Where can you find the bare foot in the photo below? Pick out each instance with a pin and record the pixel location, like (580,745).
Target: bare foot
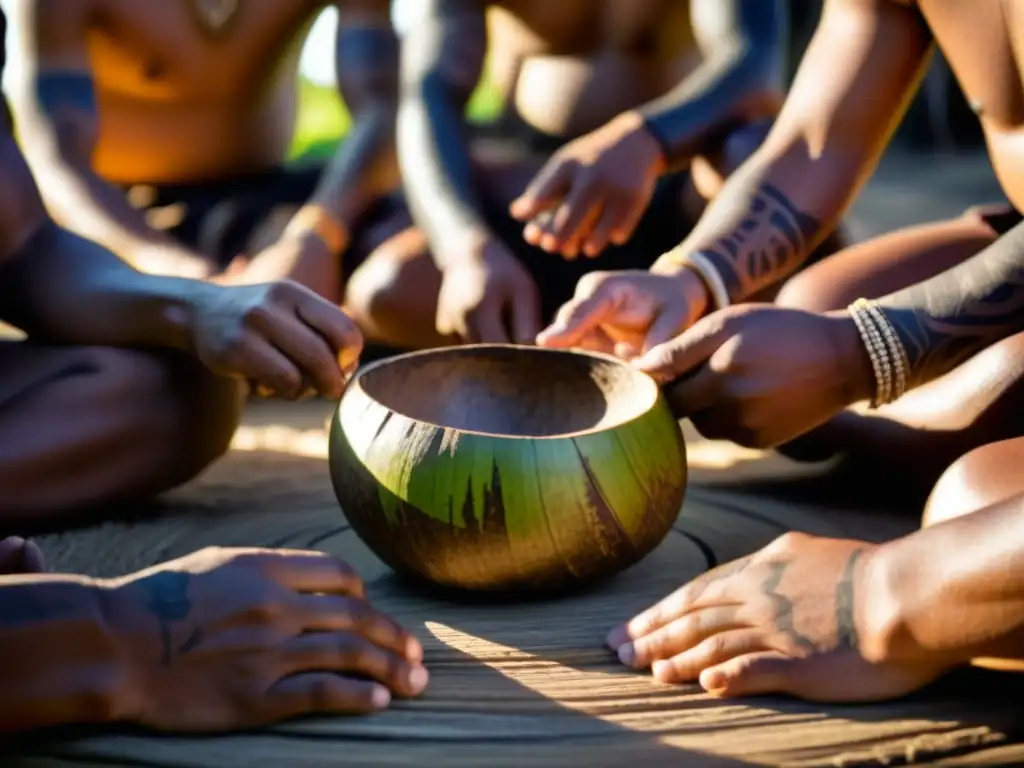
(20,556)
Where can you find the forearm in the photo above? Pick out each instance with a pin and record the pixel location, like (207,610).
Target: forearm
(731,86)
(945,320)
(99,211)
(434,156)
(771,215)
(59,663)
(362,169)
(63,288)
(952,591)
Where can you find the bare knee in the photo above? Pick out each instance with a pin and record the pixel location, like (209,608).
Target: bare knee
(392,295)
(173,411)
(978,479)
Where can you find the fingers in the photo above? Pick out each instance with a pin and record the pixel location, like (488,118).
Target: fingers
(18,555)
(756,674)
(679,636)
(576,318)
(310,572)
(714,650)
(710,588)
(340,331)
(325,693)
(336,613)
(573,220)
(486,325)
(352,653)
(308,350)
(614,214)
(266,366)
(669,359)
(547,190)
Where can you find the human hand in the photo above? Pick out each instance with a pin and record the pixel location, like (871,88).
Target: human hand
(301,257)
(760,375)
(480,290)
(18,555)
(224,639)
(593,191)
(281,336)
(627,312)
(793,618)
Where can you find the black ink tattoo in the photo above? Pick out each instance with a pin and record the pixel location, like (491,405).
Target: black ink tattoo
(947,319)
(769,243)
(846,629)
(69,101)
(784,620)
(168,601)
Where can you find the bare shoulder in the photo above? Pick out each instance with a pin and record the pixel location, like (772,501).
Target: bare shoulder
(49,25)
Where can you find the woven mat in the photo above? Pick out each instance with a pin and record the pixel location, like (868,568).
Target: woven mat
(530,684)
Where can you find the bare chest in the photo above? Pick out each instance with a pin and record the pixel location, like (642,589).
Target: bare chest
(642,28)
(184,50)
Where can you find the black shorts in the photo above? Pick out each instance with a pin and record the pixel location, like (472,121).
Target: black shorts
(239,214)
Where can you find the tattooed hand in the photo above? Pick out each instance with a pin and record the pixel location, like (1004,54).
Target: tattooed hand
(788,619)
(226,639)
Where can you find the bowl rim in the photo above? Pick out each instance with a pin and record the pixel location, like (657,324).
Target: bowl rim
(355,383)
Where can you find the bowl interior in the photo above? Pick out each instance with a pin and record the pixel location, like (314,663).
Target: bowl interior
(511,390)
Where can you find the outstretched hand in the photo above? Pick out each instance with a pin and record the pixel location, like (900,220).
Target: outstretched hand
(760,375)
(794,618)
(593,191)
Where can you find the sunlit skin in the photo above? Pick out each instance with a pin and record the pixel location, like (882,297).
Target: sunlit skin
(817,618)
(120,101)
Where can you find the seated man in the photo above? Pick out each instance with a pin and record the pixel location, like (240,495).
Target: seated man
(842,620)
(851,89)
(159,130)
(218,640)
(621,119)
(129,384)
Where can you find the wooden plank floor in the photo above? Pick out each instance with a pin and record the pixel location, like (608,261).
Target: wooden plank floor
(528,684)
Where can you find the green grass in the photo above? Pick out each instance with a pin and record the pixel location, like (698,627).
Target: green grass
(324,121)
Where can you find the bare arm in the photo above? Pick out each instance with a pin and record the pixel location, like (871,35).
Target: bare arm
(443,52)
(366,65)
(952,316)
(740,78)
(58,286)
(954,590)
(54,103)
(855,81)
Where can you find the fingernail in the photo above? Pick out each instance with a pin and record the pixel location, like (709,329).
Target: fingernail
(617,637)
(418,679)
(380,698)
(627,654)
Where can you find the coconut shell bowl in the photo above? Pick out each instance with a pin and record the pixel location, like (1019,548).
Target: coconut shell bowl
(503,468)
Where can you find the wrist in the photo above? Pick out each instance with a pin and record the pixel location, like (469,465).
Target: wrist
(692,287)
(466,247)
(313,226)
(853,358)
(660,150)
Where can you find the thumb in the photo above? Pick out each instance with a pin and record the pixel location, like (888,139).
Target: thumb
(575,318)
(674,358)
(546,191)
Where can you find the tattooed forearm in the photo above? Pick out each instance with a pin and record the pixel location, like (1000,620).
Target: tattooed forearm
(949,318)
(846,629)
(768,242)
(167,600)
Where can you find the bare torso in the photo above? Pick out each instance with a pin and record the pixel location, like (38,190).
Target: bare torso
(983,41)
(177,102)
(569,66)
